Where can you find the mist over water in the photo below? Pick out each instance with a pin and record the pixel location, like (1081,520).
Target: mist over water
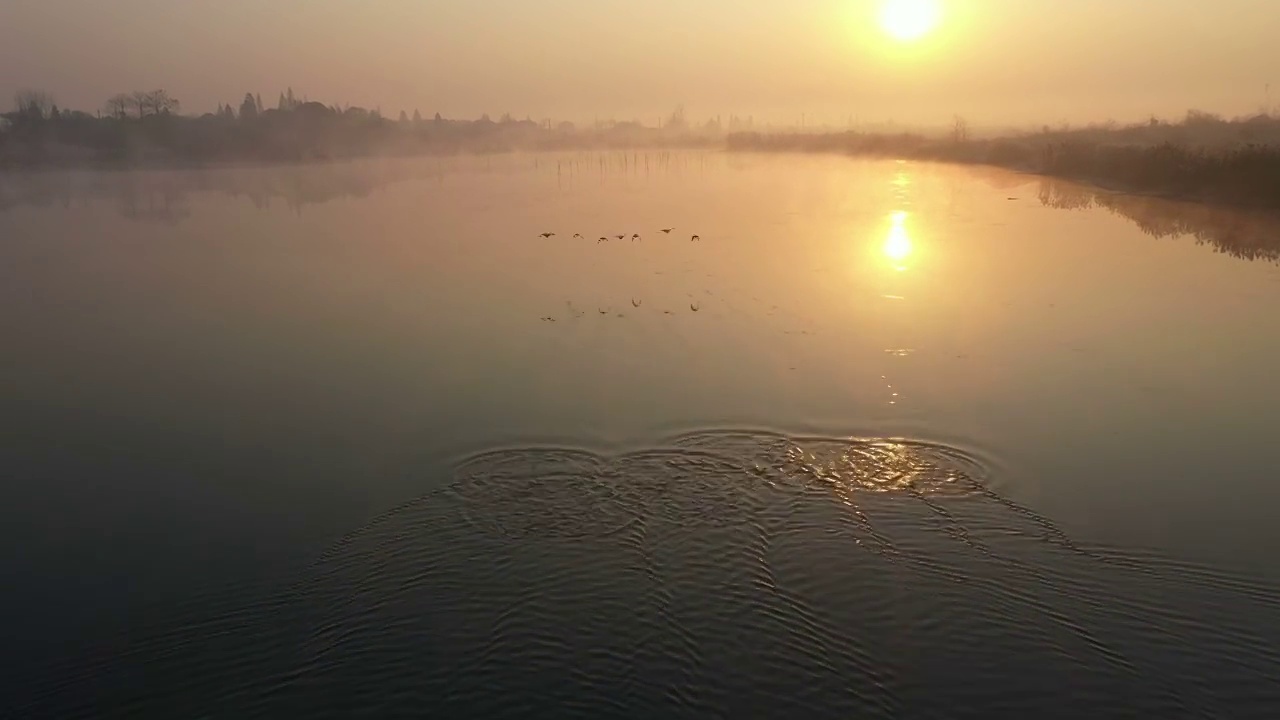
(888,439)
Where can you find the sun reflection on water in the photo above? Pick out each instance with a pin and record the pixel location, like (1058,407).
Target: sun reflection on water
(897,245)
(855,467)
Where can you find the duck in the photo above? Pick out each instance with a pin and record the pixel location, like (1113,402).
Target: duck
(547,235)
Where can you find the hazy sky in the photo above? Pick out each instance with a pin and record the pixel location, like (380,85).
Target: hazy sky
(993,61)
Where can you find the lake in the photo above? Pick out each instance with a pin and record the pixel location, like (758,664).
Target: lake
(889,439)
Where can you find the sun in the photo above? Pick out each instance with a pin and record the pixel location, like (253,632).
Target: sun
(907,20)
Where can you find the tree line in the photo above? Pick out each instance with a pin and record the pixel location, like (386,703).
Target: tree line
(142,104)
(149,127)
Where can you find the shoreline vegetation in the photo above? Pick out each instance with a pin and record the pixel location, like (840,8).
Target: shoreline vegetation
(146,129)
(1202,157)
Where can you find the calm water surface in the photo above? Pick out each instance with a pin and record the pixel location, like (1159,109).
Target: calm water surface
(889,440)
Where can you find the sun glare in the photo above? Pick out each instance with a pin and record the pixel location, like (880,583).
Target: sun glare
(897,244)
(907,20)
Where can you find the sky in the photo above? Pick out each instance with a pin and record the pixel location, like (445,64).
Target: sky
(994,62)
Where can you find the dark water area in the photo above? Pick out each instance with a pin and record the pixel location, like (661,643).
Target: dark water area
(888,440)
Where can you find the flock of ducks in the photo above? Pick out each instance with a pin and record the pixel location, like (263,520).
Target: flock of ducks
(634,236)
(695,307)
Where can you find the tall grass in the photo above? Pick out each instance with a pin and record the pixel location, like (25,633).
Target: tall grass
(1202,158)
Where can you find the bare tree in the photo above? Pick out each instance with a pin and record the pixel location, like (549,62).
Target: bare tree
(32,103)
(118,105)
(959,129)
(162,103)
(155,102)
(139,102)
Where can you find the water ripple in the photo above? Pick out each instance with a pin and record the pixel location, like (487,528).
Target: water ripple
(735,574)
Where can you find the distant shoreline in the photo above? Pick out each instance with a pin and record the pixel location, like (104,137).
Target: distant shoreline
(1243,174)
(147,132)
(1263,196)
(1202,159)
(1096,182)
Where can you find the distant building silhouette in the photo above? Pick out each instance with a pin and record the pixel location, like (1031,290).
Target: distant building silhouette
(147,127)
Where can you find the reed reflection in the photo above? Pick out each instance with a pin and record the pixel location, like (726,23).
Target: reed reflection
(1245,234)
